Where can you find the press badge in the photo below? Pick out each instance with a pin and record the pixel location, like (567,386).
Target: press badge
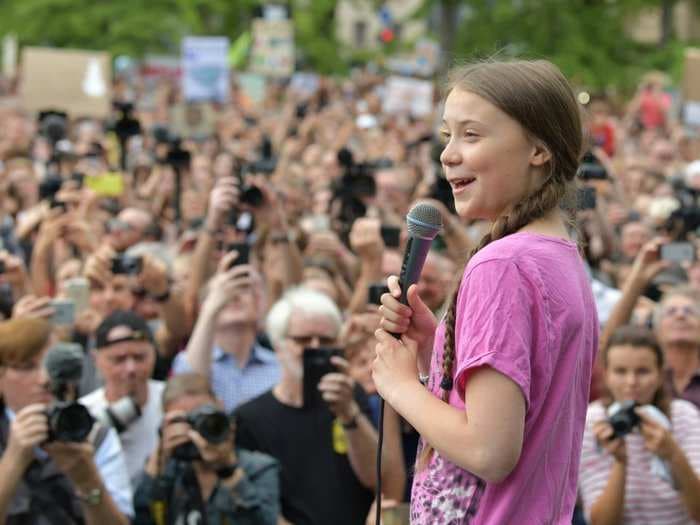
(340,439)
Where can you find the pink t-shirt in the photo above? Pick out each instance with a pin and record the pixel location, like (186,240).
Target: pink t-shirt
(524,308)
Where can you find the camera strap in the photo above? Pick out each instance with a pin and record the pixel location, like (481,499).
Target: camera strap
(188,491)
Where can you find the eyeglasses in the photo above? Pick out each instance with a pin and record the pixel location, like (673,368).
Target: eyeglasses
(306,340)
(686,310)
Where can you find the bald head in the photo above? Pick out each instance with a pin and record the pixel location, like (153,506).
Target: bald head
(129,228)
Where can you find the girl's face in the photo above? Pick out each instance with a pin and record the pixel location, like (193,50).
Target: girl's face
(488,159)
(633,374)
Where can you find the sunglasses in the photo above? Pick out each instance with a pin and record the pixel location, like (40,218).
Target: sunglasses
(306,340)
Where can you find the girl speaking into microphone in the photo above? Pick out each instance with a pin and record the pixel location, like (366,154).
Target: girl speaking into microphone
(498,390)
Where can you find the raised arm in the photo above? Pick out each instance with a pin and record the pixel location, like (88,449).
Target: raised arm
(646,266)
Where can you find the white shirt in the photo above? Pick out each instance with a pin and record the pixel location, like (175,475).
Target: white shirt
(140,439)
(649,499)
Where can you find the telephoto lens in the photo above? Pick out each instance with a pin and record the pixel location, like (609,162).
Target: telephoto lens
(120,414)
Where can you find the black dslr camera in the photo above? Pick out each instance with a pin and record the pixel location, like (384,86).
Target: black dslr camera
(625,420)
(211,423)
(68,420)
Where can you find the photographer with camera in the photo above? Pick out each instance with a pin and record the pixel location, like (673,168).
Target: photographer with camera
(676,322)
(48,473)
(129,401)
(640,460)
(123,282)
(329,446)
(196,471)
(231,198)
(224,346)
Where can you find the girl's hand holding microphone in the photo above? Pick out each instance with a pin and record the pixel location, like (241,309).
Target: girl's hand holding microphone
(401,360)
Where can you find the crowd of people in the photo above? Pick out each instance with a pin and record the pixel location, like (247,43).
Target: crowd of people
(223,289)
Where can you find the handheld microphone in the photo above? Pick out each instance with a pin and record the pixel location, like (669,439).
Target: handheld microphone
(424,222)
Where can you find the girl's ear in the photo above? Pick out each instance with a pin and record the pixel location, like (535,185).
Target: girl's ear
(540,155)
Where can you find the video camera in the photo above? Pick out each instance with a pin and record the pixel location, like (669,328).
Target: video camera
(208,421)
(175,156)
(591,168)
(683,221)
(355,186)
(266,162)
(53,125)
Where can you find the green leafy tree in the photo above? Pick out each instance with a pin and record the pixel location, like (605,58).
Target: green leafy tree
(586,38)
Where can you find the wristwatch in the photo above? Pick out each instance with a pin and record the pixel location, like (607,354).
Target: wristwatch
(92,497)
(352,423)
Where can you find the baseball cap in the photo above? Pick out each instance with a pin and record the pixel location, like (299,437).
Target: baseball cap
(132,327)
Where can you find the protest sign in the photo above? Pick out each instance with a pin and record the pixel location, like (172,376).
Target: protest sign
(156,67)
(273,48)
(205,70)
(304,84)
(77,82)
(253,87)
(405,95)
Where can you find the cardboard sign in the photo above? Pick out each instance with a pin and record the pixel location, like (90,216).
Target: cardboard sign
(77,82)
(205,70)
(404,95)
(691,75)
(273,48)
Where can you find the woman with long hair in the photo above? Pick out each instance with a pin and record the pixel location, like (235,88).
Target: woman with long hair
(640,459)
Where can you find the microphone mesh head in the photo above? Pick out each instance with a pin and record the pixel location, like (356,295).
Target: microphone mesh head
(424,221)
(64,362)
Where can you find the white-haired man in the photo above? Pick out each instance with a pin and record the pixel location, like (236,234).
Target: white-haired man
(326,449)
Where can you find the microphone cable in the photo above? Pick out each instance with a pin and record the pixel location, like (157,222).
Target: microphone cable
(380,443)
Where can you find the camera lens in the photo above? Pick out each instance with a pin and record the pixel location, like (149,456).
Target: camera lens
(252,196)
(624,420)
(120,414)
(70,422)
(214,427)
(211,423)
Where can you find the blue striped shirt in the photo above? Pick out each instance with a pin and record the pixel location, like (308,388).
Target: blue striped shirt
(233,384)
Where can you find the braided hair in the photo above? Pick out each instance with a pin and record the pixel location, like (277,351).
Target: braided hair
(539,98)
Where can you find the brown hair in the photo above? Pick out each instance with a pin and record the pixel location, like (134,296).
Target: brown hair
(190,384)
(642,338)
(536,95)
(21,340)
